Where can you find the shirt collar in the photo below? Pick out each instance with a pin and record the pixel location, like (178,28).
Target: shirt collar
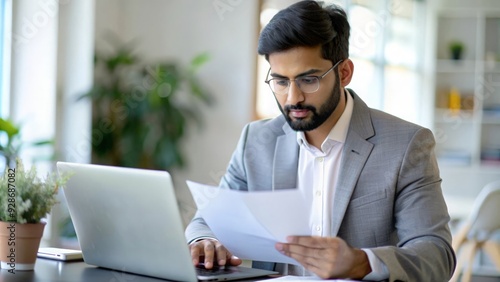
(339,130)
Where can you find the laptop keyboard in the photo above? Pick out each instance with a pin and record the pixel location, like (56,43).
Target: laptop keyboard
(201,270)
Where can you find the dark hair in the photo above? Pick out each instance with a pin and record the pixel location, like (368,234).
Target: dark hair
(307,23)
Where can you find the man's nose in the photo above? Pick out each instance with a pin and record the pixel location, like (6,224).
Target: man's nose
(295,95)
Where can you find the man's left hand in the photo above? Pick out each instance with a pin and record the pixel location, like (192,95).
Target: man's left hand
(327,257)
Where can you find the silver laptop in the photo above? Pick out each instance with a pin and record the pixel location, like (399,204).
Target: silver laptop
(128,220)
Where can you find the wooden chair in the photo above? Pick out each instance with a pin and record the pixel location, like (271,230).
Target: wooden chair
(476,232)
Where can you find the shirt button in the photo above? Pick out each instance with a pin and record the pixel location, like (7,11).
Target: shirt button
(318,193)
(320,159)
(318,228)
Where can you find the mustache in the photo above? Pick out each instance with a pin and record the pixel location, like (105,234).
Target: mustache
(288,108)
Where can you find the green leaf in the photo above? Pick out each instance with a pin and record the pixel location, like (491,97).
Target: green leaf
(8,127)
(35,197)
(198,91)
(43,142)
(199,61)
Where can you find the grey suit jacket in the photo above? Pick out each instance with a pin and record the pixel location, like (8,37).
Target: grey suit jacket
(388,196)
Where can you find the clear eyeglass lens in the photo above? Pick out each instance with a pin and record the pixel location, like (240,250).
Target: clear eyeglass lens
(306,84)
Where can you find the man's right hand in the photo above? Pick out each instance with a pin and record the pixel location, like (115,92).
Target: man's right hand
(208,251)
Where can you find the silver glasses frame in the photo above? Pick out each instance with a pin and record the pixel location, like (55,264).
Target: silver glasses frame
(318,77)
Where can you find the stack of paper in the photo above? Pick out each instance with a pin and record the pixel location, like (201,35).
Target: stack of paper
(249,224)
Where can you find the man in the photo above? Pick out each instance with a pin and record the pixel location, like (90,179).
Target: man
(377,210)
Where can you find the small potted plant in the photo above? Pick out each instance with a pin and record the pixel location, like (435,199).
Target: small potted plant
(456,49)
(25,200)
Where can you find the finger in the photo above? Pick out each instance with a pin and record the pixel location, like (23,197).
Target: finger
(209,251)
(221,254)
(309,241)
(195,253)
(310,258)
(225,256)
(291,251)
(234,260)
(296,250)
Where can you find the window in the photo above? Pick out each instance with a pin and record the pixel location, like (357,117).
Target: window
(5,31)
(385,46)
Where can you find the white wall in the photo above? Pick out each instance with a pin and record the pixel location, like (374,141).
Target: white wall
(33,73)
(75,53)
(179,30)
(74,77)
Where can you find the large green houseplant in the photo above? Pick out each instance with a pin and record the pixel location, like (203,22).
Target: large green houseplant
(25,200)
(141,111)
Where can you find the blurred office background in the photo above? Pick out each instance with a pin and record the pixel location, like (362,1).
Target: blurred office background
(401,51)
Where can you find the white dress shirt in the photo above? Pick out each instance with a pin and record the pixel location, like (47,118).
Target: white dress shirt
(317,179)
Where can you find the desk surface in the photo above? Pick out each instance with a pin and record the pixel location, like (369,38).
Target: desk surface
(47,270)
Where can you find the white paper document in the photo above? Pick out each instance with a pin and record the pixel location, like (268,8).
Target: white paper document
(305,278)
(249,224)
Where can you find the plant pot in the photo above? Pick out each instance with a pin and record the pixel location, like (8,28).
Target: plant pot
(456,55)
(19,245)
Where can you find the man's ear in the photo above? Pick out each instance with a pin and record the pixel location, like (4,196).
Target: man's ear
(346,70)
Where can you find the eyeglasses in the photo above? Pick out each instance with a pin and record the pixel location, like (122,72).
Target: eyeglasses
(306,84)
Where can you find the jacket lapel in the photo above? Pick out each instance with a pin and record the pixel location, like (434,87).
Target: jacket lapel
(286,160)
(355,153)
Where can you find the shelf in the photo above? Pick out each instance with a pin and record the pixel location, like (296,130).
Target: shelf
(453,162)
(491,120)
(494,164)
(484,167)
(454,157)
(456,66)
(466,66)
(468,139)
(491,67)
(491,116)
(449,116)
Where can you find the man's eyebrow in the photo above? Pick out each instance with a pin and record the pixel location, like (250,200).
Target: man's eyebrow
(308,72)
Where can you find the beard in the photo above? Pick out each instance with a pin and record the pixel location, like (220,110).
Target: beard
(318,117)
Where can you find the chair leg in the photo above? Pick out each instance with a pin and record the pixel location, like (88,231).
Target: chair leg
(472,253)
(462,255)
(460,237)
(492,248)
